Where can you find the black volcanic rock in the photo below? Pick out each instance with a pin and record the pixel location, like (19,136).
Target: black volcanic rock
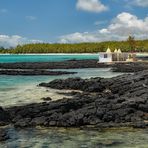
(89,85)
(46,99)
(33,72)
(4,117)
(113,102)
(3,135)
(53,65)
(130,67)
(129,85)
(71,64)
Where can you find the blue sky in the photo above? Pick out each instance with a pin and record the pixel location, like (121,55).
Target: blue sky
(70,21)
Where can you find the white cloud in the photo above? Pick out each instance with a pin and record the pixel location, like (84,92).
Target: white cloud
(121,27)
(91,6)
(14,40)
(78,37)
(141,3)
(126,23)
(32,18)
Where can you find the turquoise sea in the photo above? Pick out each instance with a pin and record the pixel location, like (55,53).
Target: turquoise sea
(5,58)
(18,90)
(44,57)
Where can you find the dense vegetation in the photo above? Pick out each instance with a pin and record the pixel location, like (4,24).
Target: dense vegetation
(130,45)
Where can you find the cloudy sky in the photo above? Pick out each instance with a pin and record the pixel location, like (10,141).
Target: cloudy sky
(71,21)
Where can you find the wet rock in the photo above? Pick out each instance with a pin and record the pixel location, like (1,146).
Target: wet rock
(143,107)
(139,124)
(3,135)
(87,85)
(52,123)
(70,64)
(33,72)
(109,143)
(22,122)
(54,65)
(46,99)
(130,67)
(4,117)
(39,120)
(72,93)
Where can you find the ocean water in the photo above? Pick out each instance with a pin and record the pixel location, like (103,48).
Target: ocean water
(5,58)
(76,138)
(18,90)
(45,57)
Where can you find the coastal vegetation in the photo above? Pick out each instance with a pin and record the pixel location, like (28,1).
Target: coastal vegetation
(130,45)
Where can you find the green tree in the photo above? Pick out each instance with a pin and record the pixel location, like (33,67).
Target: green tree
(132,43)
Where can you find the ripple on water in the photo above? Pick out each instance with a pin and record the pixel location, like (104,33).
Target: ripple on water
(76,138)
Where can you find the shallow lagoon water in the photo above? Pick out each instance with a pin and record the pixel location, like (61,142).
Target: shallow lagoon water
(17,90)
(76,138)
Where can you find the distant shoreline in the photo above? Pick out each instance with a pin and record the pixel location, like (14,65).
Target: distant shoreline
(52,54)
(137,53)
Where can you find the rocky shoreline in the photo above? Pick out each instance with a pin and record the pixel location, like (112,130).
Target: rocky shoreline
(111,102)
(73,64)
(130,67)
(33,72)
(53,65)
(121,101)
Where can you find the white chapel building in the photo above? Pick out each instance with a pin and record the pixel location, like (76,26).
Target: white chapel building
(116,56)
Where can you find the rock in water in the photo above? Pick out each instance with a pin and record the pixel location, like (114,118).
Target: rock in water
(46,99)
(3,135)
(4,117)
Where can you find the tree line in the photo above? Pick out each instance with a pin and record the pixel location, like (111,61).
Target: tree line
(130,45)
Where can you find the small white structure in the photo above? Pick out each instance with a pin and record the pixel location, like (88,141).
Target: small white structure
(105,56)
(116,56)
(115,51)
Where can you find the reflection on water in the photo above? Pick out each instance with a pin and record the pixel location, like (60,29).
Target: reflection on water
(76,138)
